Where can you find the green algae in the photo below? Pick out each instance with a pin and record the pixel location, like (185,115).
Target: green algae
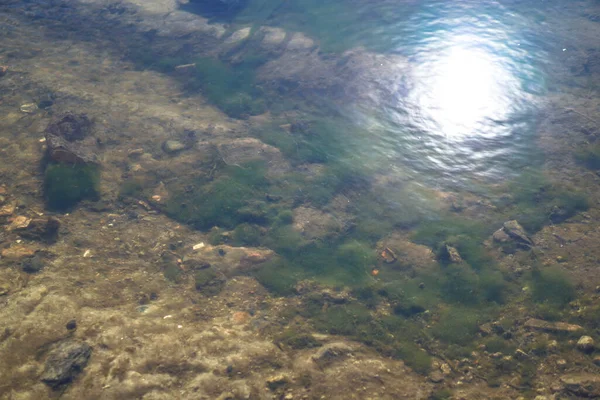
(535,201)
(247,235)
(66,185)
(459,325)
(551,286)
(231,88)
(221,202)
(278,276)
(297,338)
(589,157)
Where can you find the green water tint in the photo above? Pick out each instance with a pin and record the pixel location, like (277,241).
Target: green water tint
(245,206)
(332,22)
(461,297)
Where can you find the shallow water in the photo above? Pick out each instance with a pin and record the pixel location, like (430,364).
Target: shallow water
(351,169)
(474,78)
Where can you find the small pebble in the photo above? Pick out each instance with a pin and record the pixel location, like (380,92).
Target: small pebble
(72,324)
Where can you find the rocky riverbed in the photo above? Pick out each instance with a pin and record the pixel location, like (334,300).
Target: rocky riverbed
(115,296)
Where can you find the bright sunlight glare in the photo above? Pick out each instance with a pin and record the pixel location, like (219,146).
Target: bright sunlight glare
(463,89)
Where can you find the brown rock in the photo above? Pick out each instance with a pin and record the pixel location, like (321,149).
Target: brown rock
(17,252)
(7,210)
(436,377)
(553,327)
(500,236)
(409,254)
(240,317)
(42,229)
(20,222)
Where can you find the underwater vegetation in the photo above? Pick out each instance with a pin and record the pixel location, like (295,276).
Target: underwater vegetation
(231,88)
(459,325)
(67,185)
(536,202)
(391,335)
(589,157)
(233,198)
(551,286)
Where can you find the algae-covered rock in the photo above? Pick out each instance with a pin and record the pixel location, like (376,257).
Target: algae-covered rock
(209,282)
(66,185)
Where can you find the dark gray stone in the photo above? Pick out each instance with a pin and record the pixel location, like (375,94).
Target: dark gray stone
(33,264)
(65,362)
(62,151)
(70,127)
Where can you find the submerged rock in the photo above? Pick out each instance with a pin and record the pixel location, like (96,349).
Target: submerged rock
(64,140)
(512,231)
(62,151)
(41,229)
(436,376)
(331,353)
(173,146)
(33,264)
(388,255)
(586,344)
(451,254)
(555,327)
(584,385)
(65,362)
(277,381)
(70,127)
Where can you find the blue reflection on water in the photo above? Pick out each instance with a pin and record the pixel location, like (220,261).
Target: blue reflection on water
(467,108)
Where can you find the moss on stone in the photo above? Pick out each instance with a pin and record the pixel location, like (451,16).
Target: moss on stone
(67,185)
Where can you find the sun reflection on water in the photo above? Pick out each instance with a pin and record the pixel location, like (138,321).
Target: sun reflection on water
(461,91)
